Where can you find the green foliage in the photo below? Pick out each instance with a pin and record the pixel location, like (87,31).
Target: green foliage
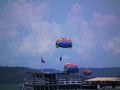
(12,75)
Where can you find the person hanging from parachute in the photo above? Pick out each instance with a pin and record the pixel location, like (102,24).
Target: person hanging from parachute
(60,59)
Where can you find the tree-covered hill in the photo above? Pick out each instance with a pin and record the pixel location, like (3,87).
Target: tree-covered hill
(12,74)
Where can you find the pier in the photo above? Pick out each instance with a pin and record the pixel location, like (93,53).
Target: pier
(67,81)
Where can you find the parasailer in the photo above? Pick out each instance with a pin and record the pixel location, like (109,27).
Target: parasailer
(64,43)
(60,58)
(70,67)
(87,71)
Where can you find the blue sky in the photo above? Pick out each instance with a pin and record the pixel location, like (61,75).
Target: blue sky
(29,30)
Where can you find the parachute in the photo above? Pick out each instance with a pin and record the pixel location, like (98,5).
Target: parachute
(70,67)
(87,71)
(64,43)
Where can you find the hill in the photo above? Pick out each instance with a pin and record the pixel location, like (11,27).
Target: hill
(14,75)
(10,75)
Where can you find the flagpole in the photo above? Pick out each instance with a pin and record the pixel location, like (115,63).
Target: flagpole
(42,61)
(41,65)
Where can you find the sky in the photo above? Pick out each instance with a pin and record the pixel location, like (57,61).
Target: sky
(29,30)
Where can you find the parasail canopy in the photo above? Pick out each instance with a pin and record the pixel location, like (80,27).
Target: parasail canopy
(64,43)
(70,67)
(87,71)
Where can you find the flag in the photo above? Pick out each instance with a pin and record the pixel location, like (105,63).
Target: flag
(42,60)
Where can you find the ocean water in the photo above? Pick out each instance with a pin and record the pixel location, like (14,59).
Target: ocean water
(9,87)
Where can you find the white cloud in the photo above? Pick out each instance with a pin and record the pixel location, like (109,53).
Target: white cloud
(113,44)
(74,16)
(21,11)
(7,31)
(41,39)
(35,44)
(103,20)
(80,28)
(17,12)
(85,54)
(66,58)
(41,33)
(75,11)
(82,33)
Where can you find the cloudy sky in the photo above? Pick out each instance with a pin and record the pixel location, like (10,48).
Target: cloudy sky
(29,30)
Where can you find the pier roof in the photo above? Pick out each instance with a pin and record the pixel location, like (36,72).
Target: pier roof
(104,79)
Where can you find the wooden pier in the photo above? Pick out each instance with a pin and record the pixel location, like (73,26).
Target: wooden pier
(65,81)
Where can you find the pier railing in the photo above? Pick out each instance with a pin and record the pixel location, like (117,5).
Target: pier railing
(38,82)
(42,82)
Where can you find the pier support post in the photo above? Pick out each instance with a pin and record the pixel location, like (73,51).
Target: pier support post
(98,86)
